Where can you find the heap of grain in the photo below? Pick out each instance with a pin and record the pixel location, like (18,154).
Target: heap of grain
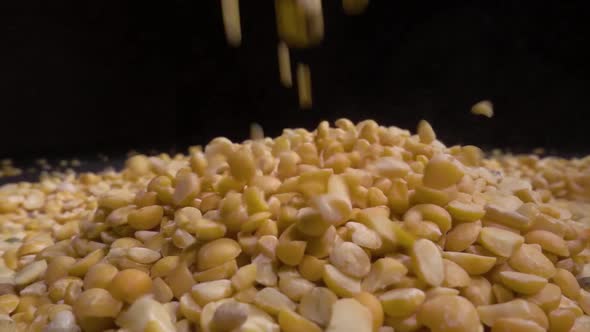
(347,228)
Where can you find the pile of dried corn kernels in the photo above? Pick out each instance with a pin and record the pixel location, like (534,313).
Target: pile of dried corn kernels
(347,228)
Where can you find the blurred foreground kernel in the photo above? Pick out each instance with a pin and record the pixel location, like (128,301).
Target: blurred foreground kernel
(358,227)
(354,7)
(230,10)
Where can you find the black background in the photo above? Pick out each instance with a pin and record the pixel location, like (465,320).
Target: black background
(82,77)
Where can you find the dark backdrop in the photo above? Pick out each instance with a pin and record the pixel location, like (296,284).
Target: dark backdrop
(81,77)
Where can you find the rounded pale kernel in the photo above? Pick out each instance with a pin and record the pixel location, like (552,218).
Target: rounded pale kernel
(432,213)
(295,287)
(502,294)
(528,259)
(550,242)
(129,285)
(8,303)
(441,172)
(30,273)
(561,320)
(290,321)
(425,132)
(96,302)
(161,290)
(455,275)
(402,302)
(143,255)
(351,259)
(500,242)
(229,316)
(242,165)
(349,315)
(547,298)
(291,252)
(164,266)
(217,252)
(484,108)
(384,273)
(518,308)
(187,187)
(438,291)
(428,262)
(211,291)
(100,276)
(516,324)
(462,236)
(82,266)
(374,305)
(449,313)
(363,236)
(272,301)
(479,291)
(146,218)
(310,222)
(465,212)
(145,314)
(522,283)
(472,264)
(311,268)
(189,308)
(568,283)
(317,305)
(58,268)
(340,283)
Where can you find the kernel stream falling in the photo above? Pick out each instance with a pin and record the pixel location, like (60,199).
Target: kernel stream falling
(300,24)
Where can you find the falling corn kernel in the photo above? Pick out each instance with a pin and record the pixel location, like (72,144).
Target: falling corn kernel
(285,65)
(230,10)
(484,108)
(354,7)
(304,85)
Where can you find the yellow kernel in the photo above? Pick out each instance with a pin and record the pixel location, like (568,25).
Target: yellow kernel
(402,302)
(523,283)
(428,262)
(441,172)
(549,242)
(100,276)
(472,264)
(164,266)
(425,132)
(317,305)
(528,259)
(211,291)
(129,285)
(374,305)
(311,268)
(146,218)
(568,283)
(449,313)
(516,324)
(272,301)
(340,283)
(349,315)
(80,268)
(484,108)
(217,252)
(500,242)
(290,321)
(518,308)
